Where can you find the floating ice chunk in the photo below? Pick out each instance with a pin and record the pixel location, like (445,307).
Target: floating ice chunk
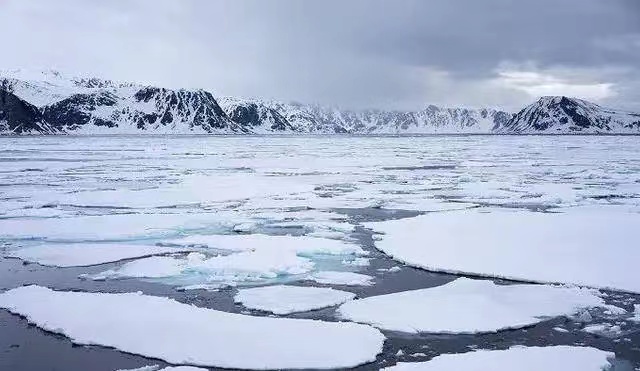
(575,247)
(178,333)
(469,306)
(302,245)
(560,329)
(563,357)
(604,329)
(636,313)
(283,299)
(342,278)
(85,254)
(228,269)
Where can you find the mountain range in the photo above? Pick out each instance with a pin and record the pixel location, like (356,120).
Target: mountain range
(49,102)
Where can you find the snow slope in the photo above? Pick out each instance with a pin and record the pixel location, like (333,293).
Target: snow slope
(563,115)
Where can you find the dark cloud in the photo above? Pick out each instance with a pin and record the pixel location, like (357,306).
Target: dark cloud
(357,53)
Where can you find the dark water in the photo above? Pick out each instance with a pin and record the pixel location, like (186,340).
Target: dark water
(24,347)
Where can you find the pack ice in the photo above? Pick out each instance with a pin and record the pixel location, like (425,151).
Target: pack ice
(184,334)
(591,247)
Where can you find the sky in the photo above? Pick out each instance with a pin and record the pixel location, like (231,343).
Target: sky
(386,54)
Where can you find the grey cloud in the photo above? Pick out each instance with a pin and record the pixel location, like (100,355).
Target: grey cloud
(375,53)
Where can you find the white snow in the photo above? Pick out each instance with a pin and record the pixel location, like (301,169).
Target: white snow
(178,333)
(565,358)
(469,306)
(341,278)
(586,247)
(85,254)
(282,299)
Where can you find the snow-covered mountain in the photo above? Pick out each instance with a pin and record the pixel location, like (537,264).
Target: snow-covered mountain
(90,105)
(48,102)
(266,116)
(563,115)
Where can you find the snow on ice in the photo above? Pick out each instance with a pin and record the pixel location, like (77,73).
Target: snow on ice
(579,246)
(470,306)
(566,358)
(86,254)
(282,299)
(184,334)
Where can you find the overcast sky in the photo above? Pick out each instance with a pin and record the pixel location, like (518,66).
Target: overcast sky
(400,54)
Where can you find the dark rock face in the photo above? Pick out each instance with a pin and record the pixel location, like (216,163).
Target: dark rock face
(197,108)
(78,110)
(251,115)
(20,117)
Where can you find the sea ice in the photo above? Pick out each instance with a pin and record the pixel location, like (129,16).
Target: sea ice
(111,227)
(301,245)
(342,278)
(228,269)
(281,299)
(86,254)
(469,306)
(578,246)
(562,357)
(184,334)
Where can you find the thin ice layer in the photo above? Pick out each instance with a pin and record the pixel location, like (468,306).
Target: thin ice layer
(86,254)
(282,299)
(565,358)
(585,247)
(470,306)
(185,334)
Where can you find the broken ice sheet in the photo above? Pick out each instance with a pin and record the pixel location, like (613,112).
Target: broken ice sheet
(86,254)
(471,306)
(573,246)
(177,333)
(566,358)
(282,299)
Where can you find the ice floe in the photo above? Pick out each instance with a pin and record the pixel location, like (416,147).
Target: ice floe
(112,227)
(562,357)
(579,246)
(86,254)
(170,368)
(341,278)
(184,334)
(283,299)
(470,306)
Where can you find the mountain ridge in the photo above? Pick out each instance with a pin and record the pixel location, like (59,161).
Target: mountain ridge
(58,104)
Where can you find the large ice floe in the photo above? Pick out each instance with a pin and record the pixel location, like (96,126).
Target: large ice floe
(283,299)
(86,254)
(184,334)
(565,358)
(470,306)
(591,247)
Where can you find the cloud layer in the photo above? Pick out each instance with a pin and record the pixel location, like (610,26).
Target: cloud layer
(401,54)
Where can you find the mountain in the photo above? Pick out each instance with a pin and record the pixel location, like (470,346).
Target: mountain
(20,117)
(91,105)
(268,116)
(48,102)
(563,115)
